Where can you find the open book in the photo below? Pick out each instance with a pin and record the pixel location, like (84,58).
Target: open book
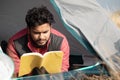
(51,61)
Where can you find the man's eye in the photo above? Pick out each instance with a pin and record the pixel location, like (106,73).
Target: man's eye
(45,32)
(36,32)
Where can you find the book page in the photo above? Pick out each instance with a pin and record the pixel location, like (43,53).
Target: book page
(28,62)
(52,61)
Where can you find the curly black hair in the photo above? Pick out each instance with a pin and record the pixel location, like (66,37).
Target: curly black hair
(38,16)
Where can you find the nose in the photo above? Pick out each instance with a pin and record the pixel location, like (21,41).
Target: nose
(41,36)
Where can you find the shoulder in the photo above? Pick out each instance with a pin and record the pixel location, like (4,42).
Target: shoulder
(58,36)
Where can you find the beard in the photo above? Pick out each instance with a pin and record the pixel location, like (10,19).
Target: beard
(34,43)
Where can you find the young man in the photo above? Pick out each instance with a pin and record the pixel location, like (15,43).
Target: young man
(39,36)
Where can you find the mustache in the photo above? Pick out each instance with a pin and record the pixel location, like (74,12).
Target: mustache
(41,40)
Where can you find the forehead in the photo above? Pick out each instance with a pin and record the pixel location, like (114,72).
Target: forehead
(41,28)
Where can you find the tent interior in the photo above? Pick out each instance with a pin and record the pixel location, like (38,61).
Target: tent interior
(12,19)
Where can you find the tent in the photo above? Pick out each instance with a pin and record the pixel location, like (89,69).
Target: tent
(77,20)
(100,31)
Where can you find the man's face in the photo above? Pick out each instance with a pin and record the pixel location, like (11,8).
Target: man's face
(40,34)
